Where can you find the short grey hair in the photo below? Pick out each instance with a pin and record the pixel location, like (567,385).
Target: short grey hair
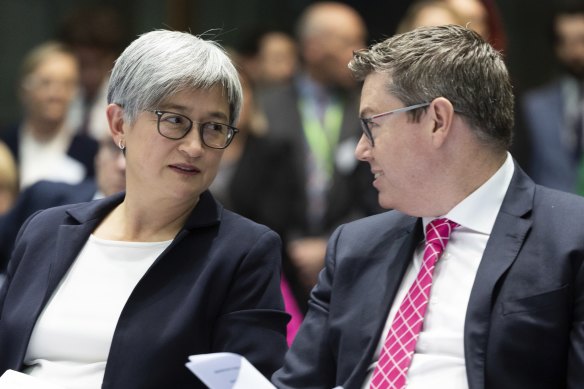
(450,61)
(162,63)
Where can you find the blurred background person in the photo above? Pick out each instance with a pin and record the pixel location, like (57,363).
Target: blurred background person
(109,179)
(8,180)
(257,178)
(278,59)
(474,14)
(42,144)
(553,113)
(268,57)
(96,34)
(140,280)
(317,114)
(429,13)
(480,15)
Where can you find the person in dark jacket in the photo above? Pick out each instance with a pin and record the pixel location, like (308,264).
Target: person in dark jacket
(117,293)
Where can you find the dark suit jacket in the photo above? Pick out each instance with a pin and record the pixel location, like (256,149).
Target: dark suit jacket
(351,194)
(82,148)
(41,195)
(215,288)
(524,322)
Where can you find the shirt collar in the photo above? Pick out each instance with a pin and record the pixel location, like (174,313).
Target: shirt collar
(479,210)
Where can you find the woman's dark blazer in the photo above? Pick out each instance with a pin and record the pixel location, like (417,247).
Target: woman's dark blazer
(215,288)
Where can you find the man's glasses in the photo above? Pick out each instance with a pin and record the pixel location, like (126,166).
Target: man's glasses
(366,122)
(175,126)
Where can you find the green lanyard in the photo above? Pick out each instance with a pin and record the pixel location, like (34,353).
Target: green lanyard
(322,139)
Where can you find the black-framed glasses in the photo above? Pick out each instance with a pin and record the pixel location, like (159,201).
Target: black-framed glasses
(366,122)
(175,126)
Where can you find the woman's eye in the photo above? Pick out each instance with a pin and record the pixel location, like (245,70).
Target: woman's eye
(214,127)
(174,119)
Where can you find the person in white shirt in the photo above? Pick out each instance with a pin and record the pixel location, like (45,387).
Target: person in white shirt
(44,146)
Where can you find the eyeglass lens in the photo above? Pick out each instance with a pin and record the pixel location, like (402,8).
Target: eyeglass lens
(176,126)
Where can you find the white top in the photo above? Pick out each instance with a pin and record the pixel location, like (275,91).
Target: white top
(48,160)
(438,360)
(70,342)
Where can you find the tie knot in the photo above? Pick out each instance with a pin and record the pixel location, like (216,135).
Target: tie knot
(438,232)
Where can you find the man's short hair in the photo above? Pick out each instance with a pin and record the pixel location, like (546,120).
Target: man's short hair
(450,61)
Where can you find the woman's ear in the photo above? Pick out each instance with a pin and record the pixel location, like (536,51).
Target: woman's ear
(115,118)
(442,112)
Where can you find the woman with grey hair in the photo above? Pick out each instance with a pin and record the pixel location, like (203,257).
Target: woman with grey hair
(117,293)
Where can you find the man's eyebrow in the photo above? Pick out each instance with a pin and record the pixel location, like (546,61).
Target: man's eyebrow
(366,112)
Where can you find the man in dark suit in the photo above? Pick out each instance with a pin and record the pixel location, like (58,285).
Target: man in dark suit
(109,178)
(498,303)
(317,114)
(553,113)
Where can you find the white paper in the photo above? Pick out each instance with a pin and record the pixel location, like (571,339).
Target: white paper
(227,371)
(12,379)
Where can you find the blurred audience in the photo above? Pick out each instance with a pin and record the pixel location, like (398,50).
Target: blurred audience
(317,113)
(429,13)
(474,14)
(268,57)
(257,179)
(109,179)
(8,179)
(42,144)
(96,35)
(480,15)
(553,113)
(278,58)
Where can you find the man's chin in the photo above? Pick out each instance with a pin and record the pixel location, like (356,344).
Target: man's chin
(384,203)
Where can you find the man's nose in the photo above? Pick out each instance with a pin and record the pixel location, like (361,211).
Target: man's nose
(363,149)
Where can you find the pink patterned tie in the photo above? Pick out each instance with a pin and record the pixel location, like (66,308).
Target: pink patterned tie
(398,349)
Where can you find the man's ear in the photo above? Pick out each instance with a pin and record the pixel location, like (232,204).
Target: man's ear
(442,113)
(115,119)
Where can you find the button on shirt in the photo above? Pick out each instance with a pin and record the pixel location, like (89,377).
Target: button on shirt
(438,360)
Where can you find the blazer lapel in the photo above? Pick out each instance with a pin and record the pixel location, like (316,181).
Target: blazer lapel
(70,241)
(72,236)
(509,232)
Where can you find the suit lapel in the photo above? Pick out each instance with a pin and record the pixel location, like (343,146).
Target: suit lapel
(507,237)
(70,241)
(391,260)
(72,236)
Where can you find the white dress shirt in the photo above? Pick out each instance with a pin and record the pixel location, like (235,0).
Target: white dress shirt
(438,360)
